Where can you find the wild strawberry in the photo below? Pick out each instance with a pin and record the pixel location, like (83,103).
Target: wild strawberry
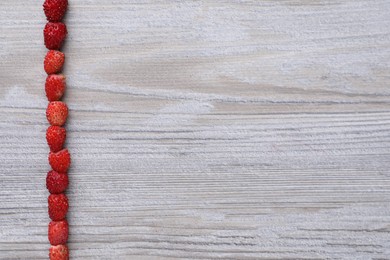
(55,137)
(60,161)
(55,87)
(54,35)
(60,252)
(58,206)
(58,232)
(54,60)
(56,113)
(55,9)
(56,182)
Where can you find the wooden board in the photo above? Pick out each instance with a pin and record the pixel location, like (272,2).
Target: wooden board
(203,129)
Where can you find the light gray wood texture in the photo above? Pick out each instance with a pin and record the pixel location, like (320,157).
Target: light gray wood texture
(203,129)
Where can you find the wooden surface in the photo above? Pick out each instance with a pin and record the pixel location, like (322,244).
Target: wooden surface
(203,129)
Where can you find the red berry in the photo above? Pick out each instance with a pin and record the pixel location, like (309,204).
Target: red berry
(54,35)
(56,113)
(58,206)
(55,137)
(58,232)
(60,252)
(60,161)
(55,9)
(55,87)
(56,182)
(54,60)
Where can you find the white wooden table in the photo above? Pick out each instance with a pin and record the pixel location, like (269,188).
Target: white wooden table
(203,129)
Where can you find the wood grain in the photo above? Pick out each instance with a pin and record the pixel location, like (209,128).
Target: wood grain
(203,129)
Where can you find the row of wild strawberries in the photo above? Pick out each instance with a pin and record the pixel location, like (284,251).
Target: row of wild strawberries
(57,112)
